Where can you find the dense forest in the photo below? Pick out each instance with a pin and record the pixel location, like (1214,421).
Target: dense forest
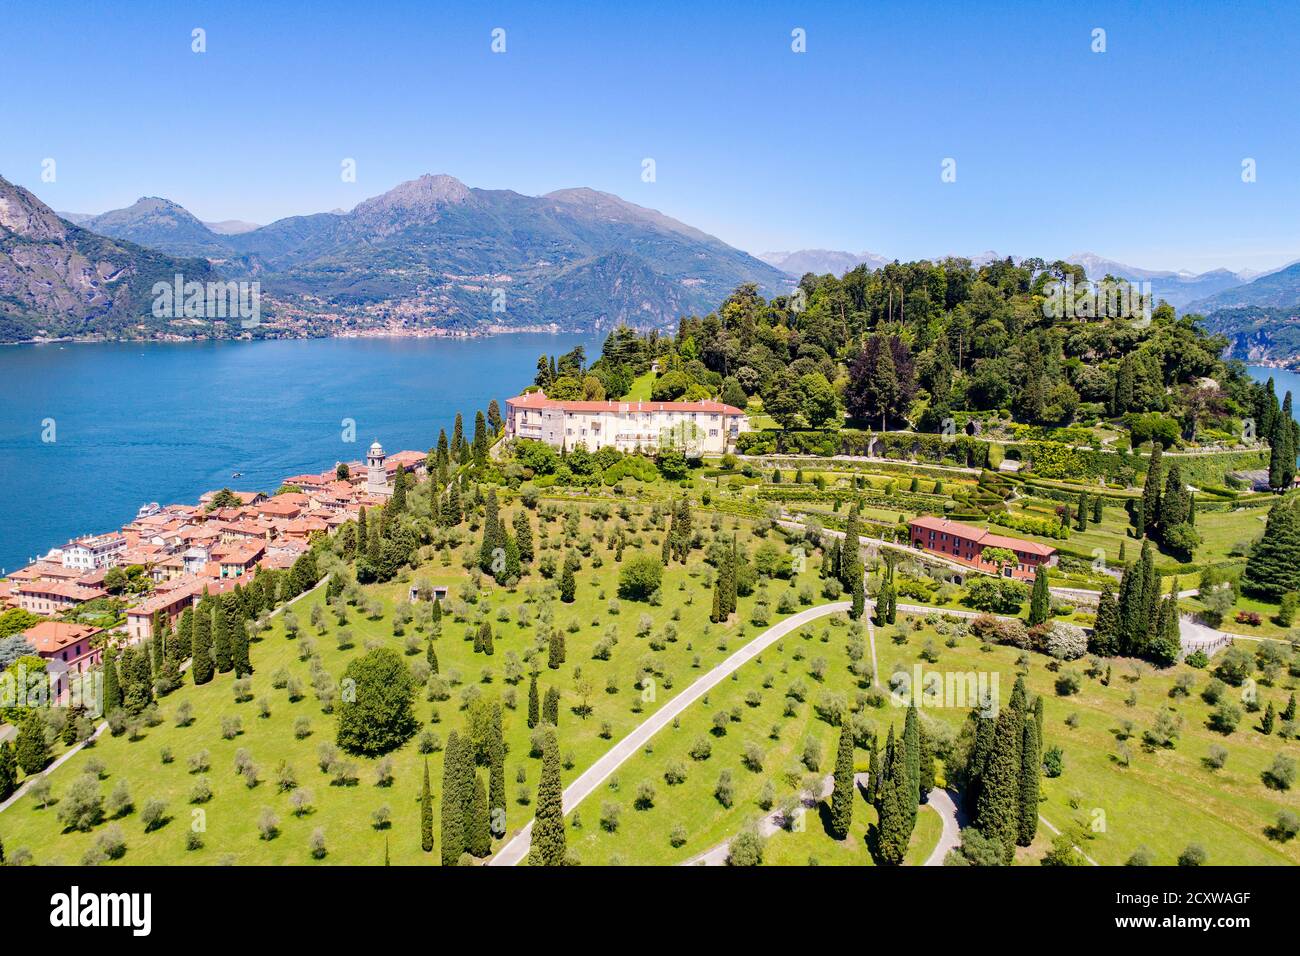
(912,345)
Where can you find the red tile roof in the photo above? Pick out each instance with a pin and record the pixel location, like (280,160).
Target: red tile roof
(981,536)
(50,637)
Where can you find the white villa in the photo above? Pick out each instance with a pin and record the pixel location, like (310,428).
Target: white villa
(96,551)
(694,428)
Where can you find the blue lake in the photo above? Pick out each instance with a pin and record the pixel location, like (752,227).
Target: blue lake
(133,423)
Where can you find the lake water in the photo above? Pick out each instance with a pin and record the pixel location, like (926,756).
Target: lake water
(1283,381)
(134,423)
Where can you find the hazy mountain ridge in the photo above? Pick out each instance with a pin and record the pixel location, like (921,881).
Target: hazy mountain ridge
(60,279)
(434,249)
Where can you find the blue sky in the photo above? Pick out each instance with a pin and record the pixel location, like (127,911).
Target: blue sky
(1134,153)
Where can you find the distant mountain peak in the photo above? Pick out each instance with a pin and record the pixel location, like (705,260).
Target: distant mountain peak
(413,202)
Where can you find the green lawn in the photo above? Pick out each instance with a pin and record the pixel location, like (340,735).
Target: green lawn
(640,389)
(344,812)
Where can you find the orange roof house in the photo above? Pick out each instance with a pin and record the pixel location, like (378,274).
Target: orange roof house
(965,544)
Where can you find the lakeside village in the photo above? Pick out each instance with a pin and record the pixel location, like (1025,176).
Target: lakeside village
(122,587)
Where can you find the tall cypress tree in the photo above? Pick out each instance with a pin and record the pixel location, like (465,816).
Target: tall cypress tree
(895,827)
(1040,601)
(8,770)
(496,748)
(534,705)
(548,845)
(1030,770)
(426,812)
(1151,491)
(112,683)
(453,803)
(1106,625)
(912,760)
(842,790)
(873,774)
(221,652)
(998,812)
(239,647)
(30,749)
(1081,518)
(201,643)
(480,836)
(928,779)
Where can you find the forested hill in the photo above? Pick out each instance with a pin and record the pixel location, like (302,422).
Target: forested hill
(912,345)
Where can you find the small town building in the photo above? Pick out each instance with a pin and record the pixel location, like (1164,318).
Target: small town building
(95,551)
(68,649)
(965,544)
(54,597)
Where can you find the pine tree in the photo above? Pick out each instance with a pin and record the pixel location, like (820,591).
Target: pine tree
(842,789)
(1031,765)
(534,709)
(30,749)
(1273,567)
(548,847)
(1106,625)
(1040,601)
(112,683)
(201,643)
(454,842)
(426,812)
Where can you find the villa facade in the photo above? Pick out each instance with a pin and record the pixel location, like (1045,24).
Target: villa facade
(965,544)
(694,428)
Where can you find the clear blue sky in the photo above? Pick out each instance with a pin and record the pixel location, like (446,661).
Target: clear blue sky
(1134,153)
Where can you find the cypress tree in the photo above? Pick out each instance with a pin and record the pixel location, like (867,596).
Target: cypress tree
(997,813)
(1150,600)
(895,827)
(159,643)
(1266,722)
(1273,567)
(426,812)
(1289,712)
(183,637)
(1031,765)
(979,758)
(1174,505)
(497,772)
(1151,491)
(112,683)
(453,803)
(239,648)
(715,615)
(556,654)
(1040,601)
(568,586)
(1096,509)
(859,598)
(928,780)
(524,536)
(30,749)
(912,759)
(221,655)
(534,709)
(551,707)
(1104,633)
(1081,515)
(431,656)
(873,774)
(1167,643)
(8,770)
(480,842)
(548,847)
(201,643)
(842,790)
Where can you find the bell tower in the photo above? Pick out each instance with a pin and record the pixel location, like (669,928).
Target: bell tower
(376,476)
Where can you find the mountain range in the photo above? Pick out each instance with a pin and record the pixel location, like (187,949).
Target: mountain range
(435,252)
(59,279)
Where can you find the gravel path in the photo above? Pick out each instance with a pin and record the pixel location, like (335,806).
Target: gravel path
(516,850)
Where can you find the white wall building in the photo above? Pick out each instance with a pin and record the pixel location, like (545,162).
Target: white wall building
(693,428)
(98,551)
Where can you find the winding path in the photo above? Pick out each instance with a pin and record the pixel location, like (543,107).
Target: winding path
(516,849)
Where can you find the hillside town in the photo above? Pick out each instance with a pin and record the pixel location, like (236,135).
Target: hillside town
(126,582)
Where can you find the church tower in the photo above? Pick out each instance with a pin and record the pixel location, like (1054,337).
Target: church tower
(376,476)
